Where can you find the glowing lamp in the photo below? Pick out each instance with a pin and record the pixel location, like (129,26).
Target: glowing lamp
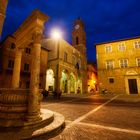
(56,34)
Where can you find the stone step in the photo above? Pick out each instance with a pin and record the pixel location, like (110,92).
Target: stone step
(56,126)
(50,125)
(46,115)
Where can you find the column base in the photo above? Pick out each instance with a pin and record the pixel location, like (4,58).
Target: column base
(35,117)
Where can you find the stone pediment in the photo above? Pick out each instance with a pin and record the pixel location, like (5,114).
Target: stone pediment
(131,72)
(34,23)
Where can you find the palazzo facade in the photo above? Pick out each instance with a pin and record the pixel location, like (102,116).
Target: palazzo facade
(67,64)
(118,64)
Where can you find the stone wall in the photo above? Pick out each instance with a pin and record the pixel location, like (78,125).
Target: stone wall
(119,76)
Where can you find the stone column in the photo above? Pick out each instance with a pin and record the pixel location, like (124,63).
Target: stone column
(16,70)
(68,86)
(33,99)
(58,77)
(3,6)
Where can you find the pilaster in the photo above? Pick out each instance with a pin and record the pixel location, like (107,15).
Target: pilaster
(16,70)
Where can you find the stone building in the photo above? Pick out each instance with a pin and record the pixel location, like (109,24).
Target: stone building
(64,67)
(17,49)
(118,65)
(92,77)
(23,62)
(3,6)
(67,64)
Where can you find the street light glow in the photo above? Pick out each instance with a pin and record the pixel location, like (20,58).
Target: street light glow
(56,34)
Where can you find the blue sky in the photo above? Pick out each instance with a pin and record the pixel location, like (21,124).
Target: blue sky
(105,20)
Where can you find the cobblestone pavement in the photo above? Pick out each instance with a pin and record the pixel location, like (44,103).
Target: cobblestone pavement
(97,117)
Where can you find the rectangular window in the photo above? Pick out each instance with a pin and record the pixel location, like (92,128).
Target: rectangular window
(27,84)
(12,46)
(111,80)
(123,63)
(39,85)
(121,47)
(10,64)
(138,62)
(73,60)
(108,49)
(65,56)
(26,67)
(77,40)
(20,84)
(109,64)
(28,50)
(137,44)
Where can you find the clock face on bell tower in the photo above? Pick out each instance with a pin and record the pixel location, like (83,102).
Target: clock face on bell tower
(77,26)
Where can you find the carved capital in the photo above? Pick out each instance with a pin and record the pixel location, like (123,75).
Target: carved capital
(37,37)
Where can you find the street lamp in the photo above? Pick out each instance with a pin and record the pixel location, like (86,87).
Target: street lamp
(56,34)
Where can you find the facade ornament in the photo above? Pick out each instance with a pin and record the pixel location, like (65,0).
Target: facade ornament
(37,37)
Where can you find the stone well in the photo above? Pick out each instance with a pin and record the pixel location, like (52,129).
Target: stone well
(14,106)
(21,108)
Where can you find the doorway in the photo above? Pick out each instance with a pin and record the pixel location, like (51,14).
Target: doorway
(133,89)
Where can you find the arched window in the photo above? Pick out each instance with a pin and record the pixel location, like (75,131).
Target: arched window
(77,40)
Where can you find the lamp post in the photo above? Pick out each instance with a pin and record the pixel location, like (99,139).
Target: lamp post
(56,35)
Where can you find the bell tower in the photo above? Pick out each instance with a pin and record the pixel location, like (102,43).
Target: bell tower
(79,36)
(3,6)
(79,42)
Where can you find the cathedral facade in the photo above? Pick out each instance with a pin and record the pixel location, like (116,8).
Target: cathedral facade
(64,67)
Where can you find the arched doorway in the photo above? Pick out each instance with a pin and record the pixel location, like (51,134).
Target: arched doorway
(50,80)
(64,81)
(72,80)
